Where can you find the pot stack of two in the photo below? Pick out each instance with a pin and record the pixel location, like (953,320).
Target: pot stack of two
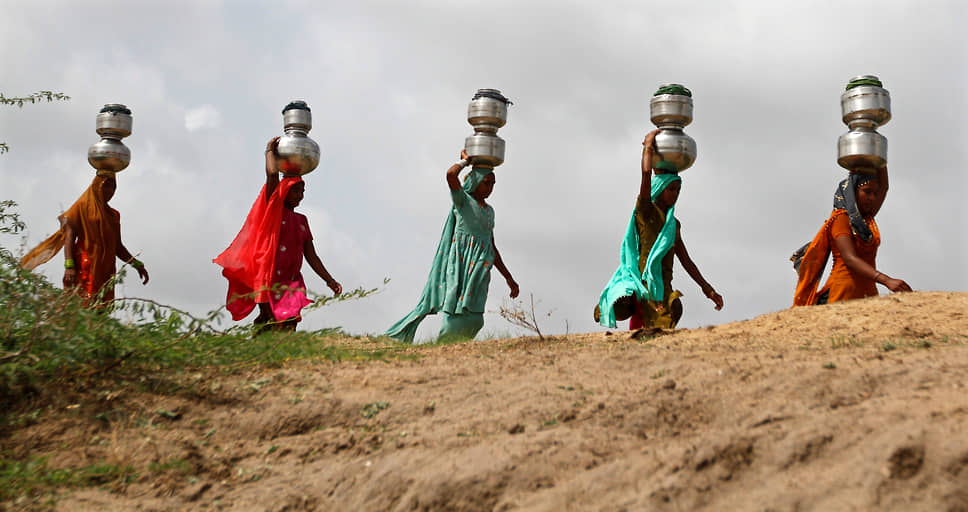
(109,155)
(487,112)
(671,110)
(865,105)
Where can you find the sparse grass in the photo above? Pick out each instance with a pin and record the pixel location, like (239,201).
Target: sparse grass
(845,342)
(32,477)
(177,466)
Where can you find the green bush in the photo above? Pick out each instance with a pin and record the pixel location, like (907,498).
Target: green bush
(47,333)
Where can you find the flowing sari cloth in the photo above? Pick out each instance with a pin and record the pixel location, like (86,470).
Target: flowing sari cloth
(810,260)
(250,259)
(643,280)
(461,271)
(98,230)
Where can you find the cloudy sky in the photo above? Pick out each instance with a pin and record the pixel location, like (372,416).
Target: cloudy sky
(389,83)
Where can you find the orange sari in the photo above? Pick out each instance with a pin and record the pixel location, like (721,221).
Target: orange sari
(98,229)
(843,284)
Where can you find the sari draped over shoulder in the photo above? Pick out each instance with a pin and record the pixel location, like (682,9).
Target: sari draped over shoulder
(461,271)
(98,230)
(249,260)
(645,280)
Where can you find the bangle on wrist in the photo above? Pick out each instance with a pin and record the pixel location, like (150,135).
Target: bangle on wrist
(136,263)
(876,275)
(68,264)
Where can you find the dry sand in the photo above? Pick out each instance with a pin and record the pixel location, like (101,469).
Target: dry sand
(851,406)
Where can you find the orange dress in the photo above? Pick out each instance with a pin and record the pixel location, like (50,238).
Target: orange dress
(98,230)
(843,283)
(91,277)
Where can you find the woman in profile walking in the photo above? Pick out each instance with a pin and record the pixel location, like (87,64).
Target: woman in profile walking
(461,271)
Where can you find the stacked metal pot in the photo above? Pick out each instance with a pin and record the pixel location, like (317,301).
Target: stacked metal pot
(109,155)
(865,105)
(297,154)
(487,111)
(671,111)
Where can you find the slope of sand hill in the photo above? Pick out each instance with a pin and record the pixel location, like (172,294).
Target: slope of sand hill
(851,406)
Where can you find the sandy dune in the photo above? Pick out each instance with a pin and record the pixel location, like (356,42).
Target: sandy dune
(852,406)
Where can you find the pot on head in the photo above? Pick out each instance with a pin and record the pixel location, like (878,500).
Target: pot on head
(484,150)
(110,155)
(673,145)
(861,148)
(297,154)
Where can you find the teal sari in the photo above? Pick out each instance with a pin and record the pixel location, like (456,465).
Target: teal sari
(461,270)
(627,280)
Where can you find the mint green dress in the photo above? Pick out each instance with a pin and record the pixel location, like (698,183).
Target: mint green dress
(461,271)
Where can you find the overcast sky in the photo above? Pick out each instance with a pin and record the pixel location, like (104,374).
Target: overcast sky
(389,83)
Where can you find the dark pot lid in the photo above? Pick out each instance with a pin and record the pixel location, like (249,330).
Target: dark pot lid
(116,108)
(297,104)
(493,94)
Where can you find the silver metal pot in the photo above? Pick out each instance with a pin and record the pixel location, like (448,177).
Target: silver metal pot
(114,120)
(109,154)
(866,105)
(675,146)
(487,111)
(671,110)
(297,154)
(485,150)
(860,148)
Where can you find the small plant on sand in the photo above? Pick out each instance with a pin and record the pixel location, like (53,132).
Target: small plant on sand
(372,409)
(520,315)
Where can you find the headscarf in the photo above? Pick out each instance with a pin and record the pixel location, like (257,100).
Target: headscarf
(627,280)
(845,198)
(810,260)
(474,178)
(432,299)
(250,258)
(95,223)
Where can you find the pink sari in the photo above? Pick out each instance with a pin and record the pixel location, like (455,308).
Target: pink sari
(249,261)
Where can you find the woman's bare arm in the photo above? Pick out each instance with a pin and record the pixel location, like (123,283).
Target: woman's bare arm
(70,239)
(309,252)
(648,160)
(453,172)
(272,176)
(124,255)
(695,274)
(503,269)
(845,244)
